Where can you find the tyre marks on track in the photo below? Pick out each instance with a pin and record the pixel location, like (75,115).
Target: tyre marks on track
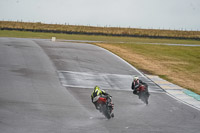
(103,80)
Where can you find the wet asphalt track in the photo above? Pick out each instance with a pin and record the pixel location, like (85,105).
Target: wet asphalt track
(45,87)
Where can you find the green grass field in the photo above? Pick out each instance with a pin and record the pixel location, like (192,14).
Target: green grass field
(178,64)
(109,39)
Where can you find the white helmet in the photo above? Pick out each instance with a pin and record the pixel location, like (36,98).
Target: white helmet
(135,78)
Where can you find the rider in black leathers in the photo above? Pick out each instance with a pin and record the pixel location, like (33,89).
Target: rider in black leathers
(136,84)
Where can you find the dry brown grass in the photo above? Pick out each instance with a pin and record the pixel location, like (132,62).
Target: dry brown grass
(102,30)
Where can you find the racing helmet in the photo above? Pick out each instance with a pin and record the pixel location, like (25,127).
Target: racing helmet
(96,88)
(135,78)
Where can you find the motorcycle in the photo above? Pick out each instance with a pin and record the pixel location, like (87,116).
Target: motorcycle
(143,94)
(106,106)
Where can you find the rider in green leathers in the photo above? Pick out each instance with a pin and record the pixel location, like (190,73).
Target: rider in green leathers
(97,92)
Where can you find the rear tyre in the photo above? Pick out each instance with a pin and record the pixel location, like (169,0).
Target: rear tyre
(106,112)
(146,101)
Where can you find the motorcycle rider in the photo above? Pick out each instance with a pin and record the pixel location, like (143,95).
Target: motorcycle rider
(97,92)
(137,83)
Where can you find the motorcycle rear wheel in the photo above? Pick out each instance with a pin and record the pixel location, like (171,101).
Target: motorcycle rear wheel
(106,112)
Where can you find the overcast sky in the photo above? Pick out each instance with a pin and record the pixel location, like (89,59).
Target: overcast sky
(158,14)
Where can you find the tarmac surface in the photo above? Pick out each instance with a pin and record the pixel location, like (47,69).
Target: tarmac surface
(45,87)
